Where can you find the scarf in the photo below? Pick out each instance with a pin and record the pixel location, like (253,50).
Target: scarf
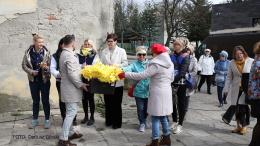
(240,66)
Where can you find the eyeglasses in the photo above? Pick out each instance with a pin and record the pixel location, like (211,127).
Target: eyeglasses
(174,44)
(222,56)
(110,41)
(206,51)
(141,54)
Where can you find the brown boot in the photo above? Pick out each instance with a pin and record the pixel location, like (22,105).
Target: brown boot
(165,140)
(154,143)
(65,143)
(75,136)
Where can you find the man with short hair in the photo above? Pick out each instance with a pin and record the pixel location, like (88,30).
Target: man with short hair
(71,89)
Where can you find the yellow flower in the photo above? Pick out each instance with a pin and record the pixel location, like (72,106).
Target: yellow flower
(103,73)
(42,64)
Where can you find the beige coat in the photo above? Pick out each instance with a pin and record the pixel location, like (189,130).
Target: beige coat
(71,83)
(161,74)
(119,58)
(234,78)
(28,68)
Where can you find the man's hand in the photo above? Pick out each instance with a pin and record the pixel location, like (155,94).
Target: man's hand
(84,86)
(111,64)
(225,93)
(60,76)
(83,65)
(35,73)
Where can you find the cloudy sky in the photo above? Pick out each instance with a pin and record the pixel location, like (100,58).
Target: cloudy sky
(216,1)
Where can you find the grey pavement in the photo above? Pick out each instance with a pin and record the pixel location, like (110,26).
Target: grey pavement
(203,127)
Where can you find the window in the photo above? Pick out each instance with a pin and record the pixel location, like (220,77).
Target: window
(256,22)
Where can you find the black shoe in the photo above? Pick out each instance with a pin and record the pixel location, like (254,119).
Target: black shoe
(74,123)
(225,102)
(115,127)
(209,93)
(199,89)
(108,125)
(84,121)
(91,121)
(220,105)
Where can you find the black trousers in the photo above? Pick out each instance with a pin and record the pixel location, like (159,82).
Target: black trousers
(181,94)
(62,104)
(88,99)
(113,105)
(208,78)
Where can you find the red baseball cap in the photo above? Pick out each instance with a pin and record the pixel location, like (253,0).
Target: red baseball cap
(158,49)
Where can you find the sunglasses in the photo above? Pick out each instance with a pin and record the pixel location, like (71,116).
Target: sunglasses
(222,56)
(206,51)
(141,54)
(174,44)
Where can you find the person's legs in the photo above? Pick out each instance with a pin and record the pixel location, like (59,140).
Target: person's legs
(92,108)
(155,127)
(256,134)
(35,93)
(187,103)
(209,81)
(108,109)
(117,107)
(202,80)
(140,109)
(145,108)
(220,89)
(85,106)
(165,126)
(61,104)
(181,93)
(71,111)
(174,113)
(45,92)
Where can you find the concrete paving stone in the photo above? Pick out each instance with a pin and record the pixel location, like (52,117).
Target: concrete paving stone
(6,117)
(212,140)
(91,138)
(232,138)
(22,117)
(92,143)
(190,141)
(22,143)
(6,125)
(25,134)
(5,140)
(47,142)
(115,138)
(140,139)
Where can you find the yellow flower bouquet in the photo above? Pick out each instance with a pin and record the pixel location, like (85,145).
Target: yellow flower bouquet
(101,77)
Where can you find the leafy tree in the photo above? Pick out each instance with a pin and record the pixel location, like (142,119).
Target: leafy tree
(150,23)
(198,22)
(120,18)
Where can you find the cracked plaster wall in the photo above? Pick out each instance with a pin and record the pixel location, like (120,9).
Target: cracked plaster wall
(53,19)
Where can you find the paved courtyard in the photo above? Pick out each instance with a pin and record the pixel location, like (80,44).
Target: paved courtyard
(203,127)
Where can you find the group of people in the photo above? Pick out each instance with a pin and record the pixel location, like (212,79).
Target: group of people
(160,84)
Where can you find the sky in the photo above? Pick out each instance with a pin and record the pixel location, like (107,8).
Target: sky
(216,1)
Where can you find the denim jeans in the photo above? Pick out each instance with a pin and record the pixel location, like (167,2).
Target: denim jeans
(155,126)
(141,104)
(67,129)
(36,87)
(220,99)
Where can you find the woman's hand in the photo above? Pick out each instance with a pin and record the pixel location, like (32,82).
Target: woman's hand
(35,73)
(83,65)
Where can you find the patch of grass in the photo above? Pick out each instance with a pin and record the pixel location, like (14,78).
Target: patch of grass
(126,122)
(133,105)
(125,104)
(100,129)
(40,107)
(16,114)
(82,140)
(101,111)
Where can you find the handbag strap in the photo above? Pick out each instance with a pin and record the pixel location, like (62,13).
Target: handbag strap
(139,80)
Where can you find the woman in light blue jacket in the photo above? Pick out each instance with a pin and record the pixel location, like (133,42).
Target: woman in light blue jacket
(141,90)
(221,70)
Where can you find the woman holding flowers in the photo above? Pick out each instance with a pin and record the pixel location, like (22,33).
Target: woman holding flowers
(113,55)
(141,90)
(87,56)
(161,74)
(36,63)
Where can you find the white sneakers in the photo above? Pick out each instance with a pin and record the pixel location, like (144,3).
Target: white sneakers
(142,128)
(178,129)
(173,126)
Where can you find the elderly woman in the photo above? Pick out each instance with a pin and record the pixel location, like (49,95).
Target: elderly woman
(253,91)
(110,56)
(192,71)
(221,70)
(161,74)
(141,90)
(181,61)
(240,63)
(87,56)
(206,69)
(36,63)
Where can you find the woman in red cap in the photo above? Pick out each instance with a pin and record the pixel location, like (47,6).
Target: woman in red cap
(161,74)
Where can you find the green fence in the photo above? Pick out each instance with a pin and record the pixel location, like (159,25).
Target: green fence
(129,47)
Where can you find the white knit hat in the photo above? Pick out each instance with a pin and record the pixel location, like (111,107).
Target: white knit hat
(207,50)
